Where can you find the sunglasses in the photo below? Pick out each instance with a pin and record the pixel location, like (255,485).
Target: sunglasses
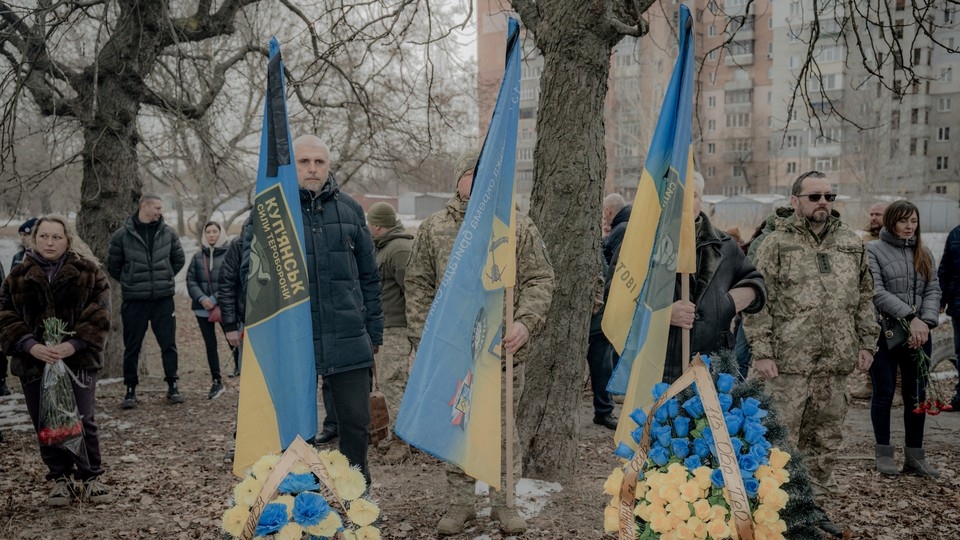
(815,197)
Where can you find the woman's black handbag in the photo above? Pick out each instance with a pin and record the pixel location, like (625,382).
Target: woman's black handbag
(894,332)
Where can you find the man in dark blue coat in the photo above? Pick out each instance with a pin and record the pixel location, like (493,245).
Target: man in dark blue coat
(344,295)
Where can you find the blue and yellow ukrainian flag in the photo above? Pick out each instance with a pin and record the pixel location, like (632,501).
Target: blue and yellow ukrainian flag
(658,243)
(278,387)
(451,407)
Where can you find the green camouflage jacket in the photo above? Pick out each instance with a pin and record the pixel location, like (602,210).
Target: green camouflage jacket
(819,309)
(393,252)
(428,261)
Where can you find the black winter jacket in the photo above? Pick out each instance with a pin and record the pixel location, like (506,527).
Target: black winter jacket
(143,275)
(204,281)
(344,280)
(618,227)
(949,274)
(721,266)
(232,291)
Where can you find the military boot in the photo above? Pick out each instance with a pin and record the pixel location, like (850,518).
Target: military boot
(455,519)
(510,521)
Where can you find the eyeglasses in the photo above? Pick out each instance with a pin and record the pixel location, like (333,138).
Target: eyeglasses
(815,197)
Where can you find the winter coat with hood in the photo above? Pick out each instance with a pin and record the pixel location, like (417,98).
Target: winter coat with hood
(721,266)
(393,254)
(79,295)
(899,289)
(344,280)
(618,227)
(232,286)
(203,274)
(145,274)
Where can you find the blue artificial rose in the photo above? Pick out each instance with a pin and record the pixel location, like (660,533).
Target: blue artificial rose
(692,462)
(272,519)
(680,448)
(694,407)
(662,434)
(717,478)
(681,426)
(310,508)
(751,408)
(624,452)
(726,400)
(725,382)
(637,434)
(659,389)
(659,455)
(761,454)
(737,443)
(673,407)
(297,483)
(661,415)
(751,485)
(706,360)
(748,464)
(701,448)
(753,432)
(639,416)
(733,423)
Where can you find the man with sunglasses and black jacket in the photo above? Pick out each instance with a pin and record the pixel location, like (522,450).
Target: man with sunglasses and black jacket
(817,326)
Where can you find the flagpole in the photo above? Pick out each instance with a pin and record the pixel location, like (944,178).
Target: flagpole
(685,335)
(508,327)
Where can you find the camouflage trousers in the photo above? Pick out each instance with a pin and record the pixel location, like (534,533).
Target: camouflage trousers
(462,487)
(393,368)
(813,409)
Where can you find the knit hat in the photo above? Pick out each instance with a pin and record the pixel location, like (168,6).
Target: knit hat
(27,226)
(467,162)
(382,214)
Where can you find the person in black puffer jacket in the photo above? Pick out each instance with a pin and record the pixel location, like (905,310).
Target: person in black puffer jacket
(232,291)
(144,256)
(203,278)
(344,295)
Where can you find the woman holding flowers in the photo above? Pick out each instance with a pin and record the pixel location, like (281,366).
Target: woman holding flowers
(907,294)
(203,283)
(59,278)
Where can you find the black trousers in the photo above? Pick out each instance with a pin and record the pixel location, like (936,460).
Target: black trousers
(3,366)
(159,314)
(209,332)
(883,373)
(60,461)
(350,397)
(600,363)
(330,420)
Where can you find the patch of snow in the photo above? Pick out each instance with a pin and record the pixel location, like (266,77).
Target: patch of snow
(531,496)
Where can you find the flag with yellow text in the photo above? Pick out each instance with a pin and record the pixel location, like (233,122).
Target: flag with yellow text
(658,243)
(278,385)
(451,406)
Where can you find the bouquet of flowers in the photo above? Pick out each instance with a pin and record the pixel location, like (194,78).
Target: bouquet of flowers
(693,482)
(60,423)
(318,497)
(934,402)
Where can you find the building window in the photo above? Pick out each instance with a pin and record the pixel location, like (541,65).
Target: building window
(791,167)
(712,55)
(913,146)
(895,119)
(943,134)
(791,141)
(711,171)
(914,116)
(826,164)
(940,190)
(942,163)
(738,120)
(738,96)
(712,30)
(738,171)
(943,104)
(894,147)
(946,75)
(712,101)
(711,148)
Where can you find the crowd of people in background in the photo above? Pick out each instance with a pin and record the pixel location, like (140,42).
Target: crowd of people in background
(801,302)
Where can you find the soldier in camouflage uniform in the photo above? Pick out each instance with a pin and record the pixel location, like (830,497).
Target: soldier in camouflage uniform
(393,245)
(817,325)
(533,293)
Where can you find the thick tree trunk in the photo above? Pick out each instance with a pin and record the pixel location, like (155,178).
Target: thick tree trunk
(568,188)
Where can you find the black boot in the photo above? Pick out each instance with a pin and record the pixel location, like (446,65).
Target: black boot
(130,400)
(4,389)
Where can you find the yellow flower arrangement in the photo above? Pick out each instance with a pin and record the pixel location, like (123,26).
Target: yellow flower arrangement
(302,508)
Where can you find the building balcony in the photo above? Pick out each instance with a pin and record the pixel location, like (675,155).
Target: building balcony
(737,107)
(825,150)
(731,60)
(742,84)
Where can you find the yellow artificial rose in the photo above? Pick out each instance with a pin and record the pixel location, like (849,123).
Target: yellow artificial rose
(702,477)
(779,526)
(718,528)
(674,519)
(327,527)
(698,527)
(368,533)
(290,531)
(612,485)
(681,509)
(334,461)
(782,476)
(776,499)
(718,512)
(778,458)
(762,472)
(654,498)
(669,493)
(767,485)
(642,489)
(350,484)
(690,491)
(245,493)
(611,519)
(363,512)
(264,466)
(235,518)
(683,532)
(764,514)
(676,473)
(659,522)
(643,511)
(701,509)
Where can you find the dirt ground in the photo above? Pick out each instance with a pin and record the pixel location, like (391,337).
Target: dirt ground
(166,462)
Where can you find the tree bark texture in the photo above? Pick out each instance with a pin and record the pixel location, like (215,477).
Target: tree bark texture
(570,167)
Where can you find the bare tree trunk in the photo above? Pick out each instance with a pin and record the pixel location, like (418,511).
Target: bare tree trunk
(568,188)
